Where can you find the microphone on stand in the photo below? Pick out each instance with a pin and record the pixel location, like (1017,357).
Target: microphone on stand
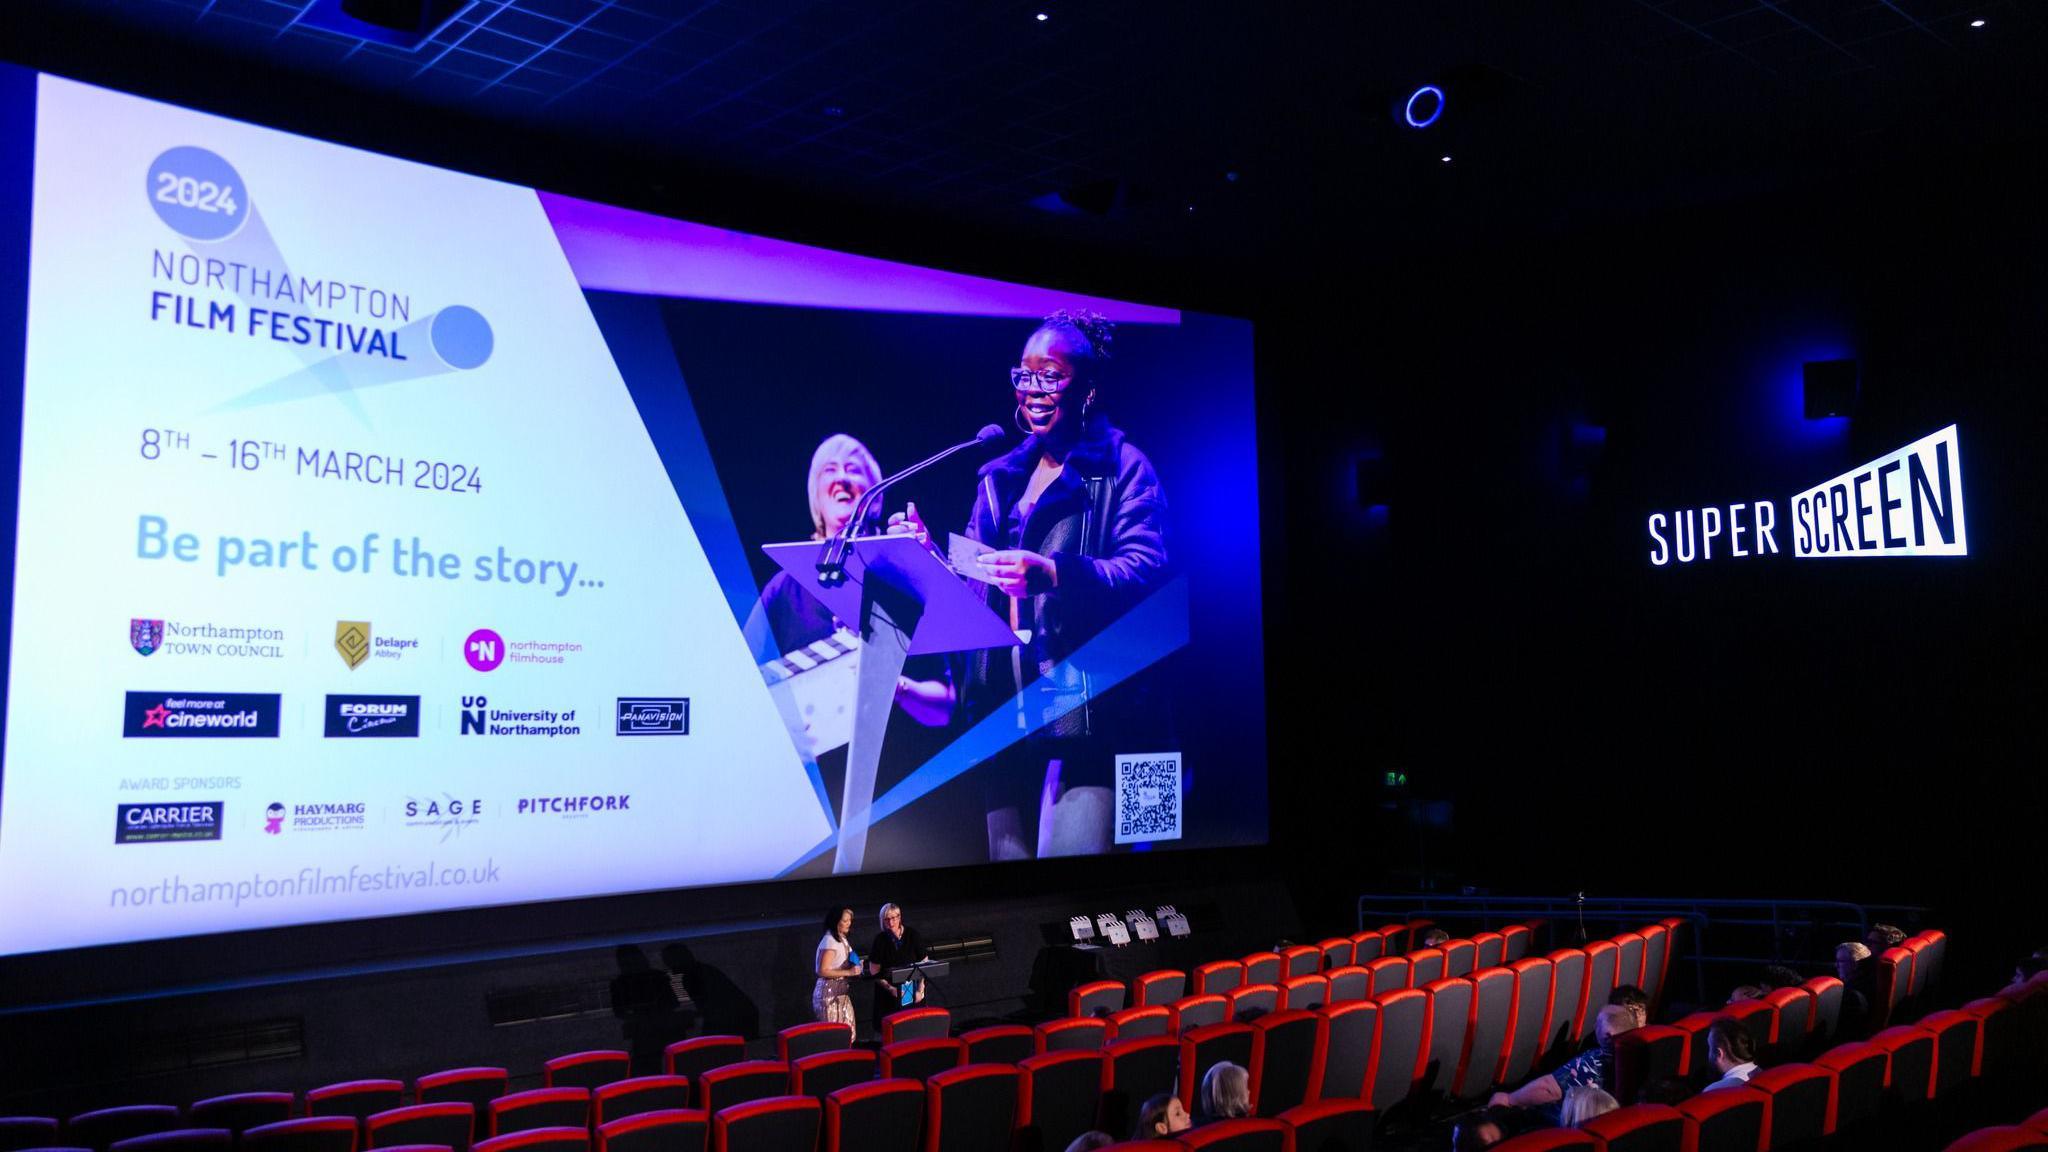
(832,566)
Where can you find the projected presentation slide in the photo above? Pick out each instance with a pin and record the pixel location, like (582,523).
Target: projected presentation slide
(391,540)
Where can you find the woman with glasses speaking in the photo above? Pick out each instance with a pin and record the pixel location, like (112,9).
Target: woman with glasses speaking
(1072,521)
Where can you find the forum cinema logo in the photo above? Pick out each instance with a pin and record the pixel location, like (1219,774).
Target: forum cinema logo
(1905,503)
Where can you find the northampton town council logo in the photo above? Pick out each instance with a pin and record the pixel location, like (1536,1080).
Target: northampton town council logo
(146,635)
(352,640)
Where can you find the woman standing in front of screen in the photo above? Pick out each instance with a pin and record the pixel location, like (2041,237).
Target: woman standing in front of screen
(836,964)
(1076,519)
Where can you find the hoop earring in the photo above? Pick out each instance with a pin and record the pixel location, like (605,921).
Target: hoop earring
(1017,418)
(1087,402)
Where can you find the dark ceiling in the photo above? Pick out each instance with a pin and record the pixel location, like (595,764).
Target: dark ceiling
(1204,143)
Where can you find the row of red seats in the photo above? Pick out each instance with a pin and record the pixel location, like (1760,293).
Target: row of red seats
(1848,1096)
(2033,1134)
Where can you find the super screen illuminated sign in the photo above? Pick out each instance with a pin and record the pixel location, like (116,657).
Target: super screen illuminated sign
(1904,503)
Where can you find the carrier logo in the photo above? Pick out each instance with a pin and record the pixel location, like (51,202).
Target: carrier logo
(654,716)
(1904,503)
(171,715)
(145,636)
(372,717)
(573,806)
(167,823)
(352,640)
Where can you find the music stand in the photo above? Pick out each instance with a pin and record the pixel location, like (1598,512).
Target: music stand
(904,600)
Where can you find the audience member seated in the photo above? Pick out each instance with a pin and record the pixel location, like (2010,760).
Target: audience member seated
(1435,938)
(1731,1051)
(1477,1130)
(1883,936)
(1226,1094)
(1594,1067)
(1090,1141)
(1776,976)
(1634,999)
(1162,1118)
(1747,992)
(2029,968)
(1583,1103)
(1852,968)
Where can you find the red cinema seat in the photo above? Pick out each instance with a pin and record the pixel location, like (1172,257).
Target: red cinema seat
(1161,987)
(178,1140)
(354,1098)
(2039,1121)
(1097,999)
(1493,1005)
(1072,1035)
(1800,1094)
(1760,1017)
(916,1024)
(1489,950)
(1190,1012)
(970,1109)
(1329,1126)
(105,1126)
(1286,1060)
(1861,1070)
(1911,1081)
(1388,974)
(668,1130)
(1997,1039)
(539,1140)
(776,1124)
(1639,1128)
(306,1134)
(1010,1043)
(1263,968)
(1827,1010)
(921,1059)
(1551,1140)
(1461,957)
(451,1123)
(743,1083)
(1336,953)
(539,1108)
(1348,983)
(1399,1043)
(1656,942)
(1446,1024)
(1729,1120)
(827,1072)
(700,1054)
(237,1113)
(1928,961)
(1793,1012)
(1134,1071)
(1367,947)
(18,1132)
(1349,1032)
(1304,993)
(1204,1048)
(1515,942)
(1567,999)
(880,1116)
(1402,937)
(1955,1048)
(1629,948)
(801,1040)
(1894,984)
(1601,958)
(1058,1094)
(1917,945)
(473,1086)
(593,1069)
(640,1094)
(2002,1138)
(1694,1066)
(1646,1056)
(1129,1024)
(1236,1136)
(1300,960)
(1253,1000)
(1528,1019)
(1425,965)
(1218,977)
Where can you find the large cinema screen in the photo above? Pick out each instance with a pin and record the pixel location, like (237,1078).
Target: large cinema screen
(391,540)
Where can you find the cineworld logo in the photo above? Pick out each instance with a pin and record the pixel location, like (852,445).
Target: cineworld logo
(1904,503)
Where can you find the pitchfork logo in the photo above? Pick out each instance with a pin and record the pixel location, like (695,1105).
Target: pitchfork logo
(145,636)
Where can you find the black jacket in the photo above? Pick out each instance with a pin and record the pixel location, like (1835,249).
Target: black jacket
(1103,525)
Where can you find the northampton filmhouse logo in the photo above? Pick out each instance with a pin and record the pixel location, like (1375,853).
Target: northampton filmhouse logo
(1904,503)
(174,715)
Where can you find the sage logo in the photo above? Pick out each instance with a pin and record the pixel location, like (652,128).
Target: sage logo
(167,823)
(1905,503)
(372,717)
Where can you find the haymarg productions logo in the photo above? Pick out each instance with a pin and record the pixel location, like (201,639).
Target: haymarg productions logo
(352,640)
(273,819)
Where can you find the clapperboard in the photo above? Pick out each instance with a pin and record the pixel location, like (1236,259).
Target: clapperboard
(813,687)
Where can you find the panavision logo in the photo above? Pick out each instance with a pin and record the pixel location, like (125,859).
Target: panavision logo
(1904,503)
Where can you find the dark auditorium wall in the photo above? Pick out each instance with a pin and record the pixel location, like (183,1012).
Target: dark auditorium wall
(1850,729)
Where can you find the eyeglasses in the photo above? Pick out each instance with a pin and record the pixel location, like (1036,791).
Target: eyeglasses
(1025,380)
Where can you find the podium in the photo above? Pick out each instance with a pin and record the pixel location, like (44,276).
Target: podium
(903,600)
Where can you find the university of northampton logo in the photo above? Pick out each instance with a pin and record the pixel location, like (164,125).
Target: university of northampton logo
(352,640)
(146,636)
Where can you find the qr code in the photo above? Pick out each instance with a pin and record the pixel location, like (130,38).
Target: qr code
(1147,797)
